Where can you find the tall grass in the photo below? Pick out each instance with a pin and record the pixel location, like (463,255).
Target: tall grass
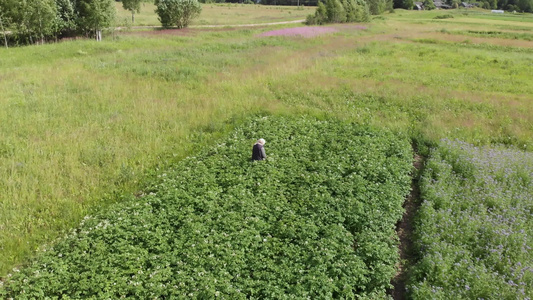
(83,121)
(220,14)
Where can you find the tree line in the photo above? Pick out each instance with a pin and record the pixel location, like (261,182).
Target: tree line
(25,22)
(35,21)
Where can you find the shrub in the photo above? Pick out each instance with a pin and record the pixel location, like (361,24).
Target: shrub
(177,13)
(378,7)
(448,16)
(429,5)
(335,11)
(320,17)
(339,11)
(356,11)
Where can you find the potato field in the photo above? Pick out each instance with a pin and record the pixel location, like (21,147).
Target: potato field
(315,220)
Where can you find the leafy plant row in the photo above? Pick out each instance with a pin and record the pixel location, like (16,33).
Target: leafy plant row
(315,220)
(475,231)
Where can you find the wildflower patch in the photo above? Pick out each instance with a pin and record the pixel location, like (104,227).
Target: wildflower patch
(474,232)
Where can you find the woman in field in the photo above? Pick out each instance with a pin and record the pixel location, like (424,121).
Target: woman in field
(258,151)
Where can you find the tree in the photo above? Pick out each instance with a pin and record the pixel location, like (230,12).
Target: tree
(5,11)
(133,6)
(177,13)
(33,19)
(409,4)
(349,11)
(525,5)
(335,11)
(320,17)
(429,5)
(95,15)
(356,11)
(378,7)
(66,18)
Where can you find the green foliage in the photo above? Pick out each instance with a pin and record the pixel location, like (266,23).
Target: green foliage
(33,20)
(409,4)
(316,220)
(177,13)
(335,11)
(66,18)
(320,17)
(377,7)
(41,20)
(94,15)
(405,4)
(356,11)
(440,17)
(133,6)
(429,5)
(339,11)
(474,232)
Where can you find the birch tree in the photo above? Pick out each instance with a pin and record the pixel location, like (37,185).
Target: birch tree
(133,6)
(95,15)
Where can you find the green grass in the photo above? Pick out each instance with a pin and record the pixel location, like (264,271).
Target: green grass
(220,14)
(83,121)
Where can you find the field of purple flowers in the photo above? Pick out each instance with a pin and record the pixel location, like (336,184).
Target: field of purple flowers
(474,230)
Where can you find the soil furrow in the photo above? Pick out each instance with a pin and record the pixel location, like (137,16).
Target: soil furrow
(404,229)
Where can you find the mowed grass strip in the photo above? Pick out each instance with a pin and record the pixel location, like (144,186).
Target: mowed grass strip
(81,120)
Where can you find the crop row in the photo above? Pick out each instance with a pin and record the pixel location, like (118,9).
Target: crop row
(314,220)
(474,232)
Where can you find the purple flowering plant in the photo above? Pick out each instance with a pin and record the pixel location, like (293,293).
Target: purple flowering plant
(474,231)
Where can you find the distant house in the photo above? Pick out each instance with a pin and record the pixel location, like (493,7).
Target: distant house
(467,5)
(418,6)
(439,4)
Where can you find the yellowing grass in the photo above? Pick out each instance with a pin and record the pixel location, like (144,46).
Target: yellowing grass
(221,14)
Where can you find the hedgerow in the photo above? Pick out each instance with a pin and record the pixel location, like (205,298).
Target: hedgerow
(315,220)
(474,232)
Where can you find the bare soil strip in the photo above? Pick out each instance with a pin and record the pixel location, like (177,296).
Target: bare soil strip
(404,230)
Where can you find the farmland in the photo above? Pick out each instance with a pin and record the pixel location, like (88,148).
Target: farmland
(315,220)
(474,233)
(84,125)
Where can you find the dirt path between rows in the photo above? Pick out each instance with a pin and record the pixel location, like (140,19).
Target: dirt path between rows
(404,229)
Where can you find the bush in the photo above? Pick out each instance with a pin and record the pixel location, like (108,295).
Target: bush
(429,5)
(448,16)
(339,11)
(177,13)
(377,7)
(335,11)
(356,11)
(320,16)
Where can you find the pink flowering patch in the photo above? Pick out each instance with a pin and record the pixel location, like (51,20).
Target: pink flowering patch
(302,31)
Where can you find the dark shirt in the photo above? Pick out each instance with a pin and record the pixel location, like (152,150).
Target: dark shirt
(258,152)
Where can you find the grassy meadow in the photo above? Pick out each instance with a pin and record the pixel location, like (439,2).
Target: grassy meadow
(221,14)
(82,122)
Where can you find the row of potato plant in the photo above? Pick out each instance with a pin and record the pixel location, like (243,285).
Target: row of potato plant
(474,230)
(315,220)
